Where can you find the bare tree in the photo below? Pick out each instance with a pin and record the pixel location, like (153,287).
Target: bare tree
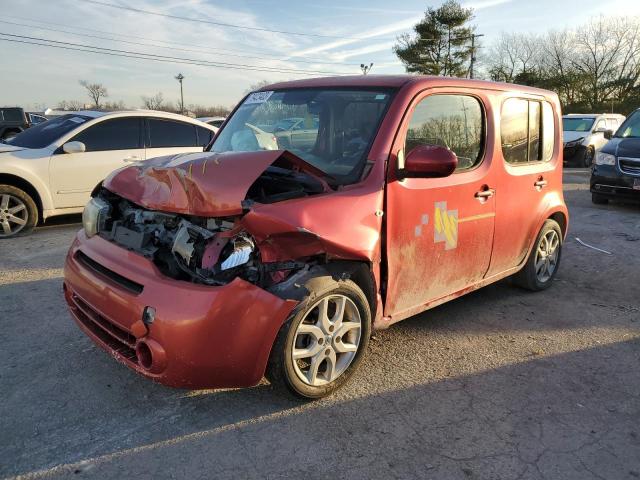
(257,86)
(74,105)
(153,103)
(96,91)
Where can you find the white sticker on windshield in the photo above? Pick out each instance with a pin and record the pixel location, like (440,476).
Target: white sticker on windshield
(77,120)
(258,97)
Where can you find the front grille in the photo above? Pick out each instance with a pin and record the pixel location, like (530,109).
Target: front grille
(116,278)
(629,165)
(112,335)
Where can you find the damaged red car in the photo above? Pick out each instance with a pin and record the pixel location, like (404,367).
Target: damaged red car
(322,210)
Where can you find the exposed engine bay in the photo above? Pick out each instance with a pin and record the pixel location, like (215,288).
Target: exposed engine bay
(210,251)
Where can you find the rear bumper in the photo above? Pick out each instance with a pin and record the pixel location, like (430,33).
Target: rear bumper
(201,337)
(609,181)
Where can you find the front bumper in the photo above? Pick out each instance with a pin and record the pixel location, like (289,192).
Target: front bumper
(201,337)
(574,155)
(608,180)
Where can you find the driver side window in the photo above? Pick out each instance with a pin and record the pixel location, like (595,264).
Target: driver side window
(452,121)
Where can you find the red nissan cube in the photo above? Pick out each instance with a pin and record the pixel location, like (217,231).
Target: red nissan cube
(323,209)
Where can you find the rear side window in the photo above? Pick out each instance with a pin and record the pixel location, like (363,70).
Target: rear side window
(116,134)
(169,133)
(527,131)
(12,115)
(452,121)
(204,136)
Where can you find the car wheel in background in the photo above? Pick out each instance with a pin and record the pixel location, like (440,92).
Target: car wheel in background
(587,159)
(599,199)
(18,212)
(543,262)
(323,342)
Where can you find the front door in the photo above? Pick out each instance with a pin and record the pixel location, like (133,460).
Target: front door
(109,145)
(440,230)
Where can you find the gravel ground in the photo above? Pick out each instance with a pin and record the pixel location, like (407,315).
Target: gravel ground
(500,384)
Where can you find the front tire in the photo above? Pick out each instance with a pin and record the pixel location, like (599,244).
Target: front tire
(323,341)
(587,158)
(544,260)
(18,212)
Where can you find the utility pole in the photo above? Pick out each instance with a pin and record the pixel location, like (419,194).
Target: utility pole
(180,77)
(473,52)
(366,68)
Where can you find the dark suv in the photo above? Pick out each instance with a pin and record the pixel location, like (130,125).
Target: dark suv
(616,170)
(12,121)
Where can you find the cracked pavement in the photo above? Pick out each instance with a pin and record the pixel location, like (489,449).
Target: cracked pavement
(499,384)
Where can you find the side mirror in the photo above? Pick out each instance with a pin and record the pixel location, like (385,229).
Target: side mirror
(74,147)
(430,161)
(608,134)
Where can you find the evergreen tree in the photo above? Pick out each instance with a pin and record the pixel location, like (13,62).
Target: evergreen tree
(441,45)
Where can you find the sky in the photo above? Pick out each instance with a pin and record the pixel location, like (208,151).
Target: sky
(281,40)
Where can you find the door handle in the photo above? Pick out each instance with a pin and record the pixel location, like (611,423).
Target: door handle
(540,183)
(485,193)
(132,158)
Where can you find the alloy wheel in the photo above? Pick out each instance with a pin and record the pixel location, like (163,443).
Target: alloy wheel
(327,340)
(14,215)
(547,256)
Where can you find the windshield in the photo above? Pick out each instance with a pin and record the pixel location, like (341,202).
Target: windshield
(332,129)
(631,127)
(577,124)
(45,133)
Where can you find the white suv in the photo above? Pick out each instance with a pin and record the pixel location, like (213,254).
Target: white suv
(585,134)
(52,168)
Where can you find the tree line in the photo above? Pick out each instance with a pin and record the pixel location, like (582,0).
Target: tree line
(98,94)
(593,67)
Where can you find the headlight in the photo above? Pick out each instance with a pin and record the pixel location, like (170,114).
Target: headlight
(242,248)
(94,216)
(574,143)
(605,159)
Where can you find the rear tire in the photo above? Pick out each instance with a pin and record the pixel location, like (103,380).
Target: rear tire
(312,358)
(544,260)
(598,199)
(18,212)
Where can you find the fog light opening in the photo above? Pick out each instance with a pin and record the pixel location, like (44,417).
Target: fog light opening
(145,358)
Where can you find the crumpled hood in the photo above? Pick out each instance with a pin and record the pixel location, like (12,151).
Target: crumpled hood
(201,184)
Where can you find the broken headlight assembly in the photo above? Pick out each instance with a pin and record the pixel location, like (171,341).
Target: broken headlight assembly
(95,215)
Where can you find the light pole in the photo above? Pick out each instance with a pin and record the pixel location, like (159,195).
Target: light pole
(180,77)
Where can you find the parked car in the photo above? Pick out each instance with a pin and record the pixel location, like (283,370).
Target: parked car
(213,269)
(52,168)
(585,134)
(616,171)
(296,132)
(13,120)
(213,121)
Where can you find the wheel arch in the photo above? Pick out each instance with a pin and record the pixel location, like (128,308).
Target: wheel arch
(26,186)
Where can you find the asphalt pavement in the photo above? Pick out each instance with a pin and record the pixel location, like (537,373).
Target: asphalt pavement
(499,384)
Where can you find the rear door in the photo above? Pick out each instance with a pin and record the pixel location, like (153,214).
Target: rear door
(440,230)
(110,144)
(527,133)
(169,137)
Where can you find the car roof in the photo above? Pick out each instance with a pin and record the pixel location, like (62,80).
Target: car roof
(591,115)
(397,81)
(140,113)
(210,119)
